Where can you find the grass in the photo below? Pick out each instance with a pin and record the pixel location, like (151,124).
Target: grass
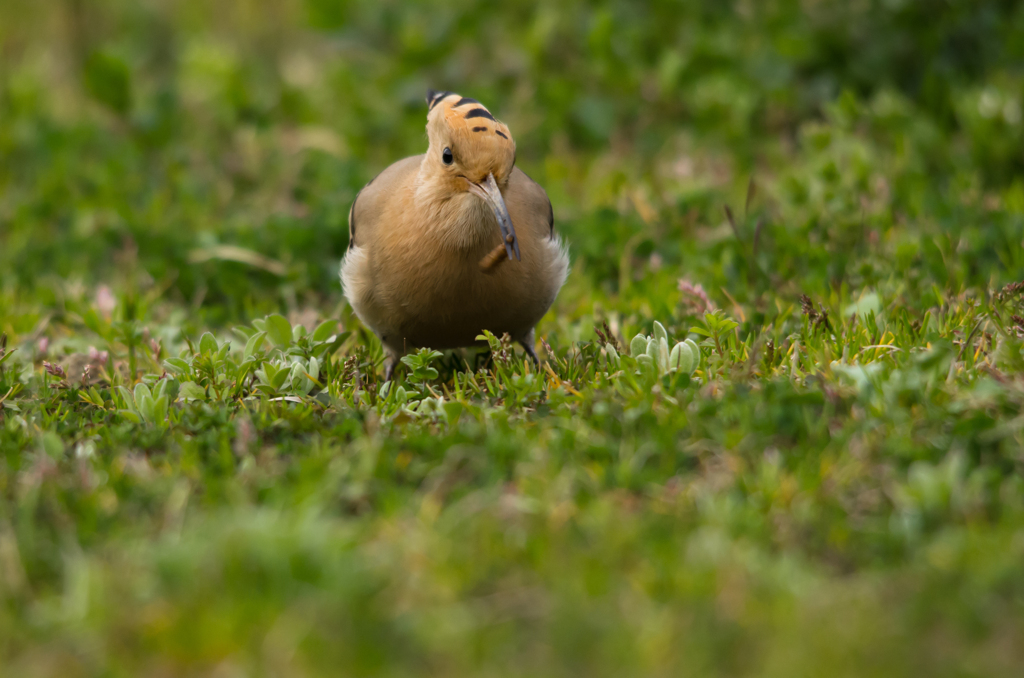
(202,473)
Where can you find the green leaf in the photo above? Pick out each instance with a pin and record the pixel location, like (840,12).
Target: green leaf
(190,390)
(638,346)
(177,365)
(160,410)
(419,363)
(647,365)
(95,397)
(245,332)
(612,356)
(142,391)
(332,345)
(681,359)
(695,352)
(297,376)
(253,345)
(130,416)
(662,357)
(207,344)
(126,397)
(492,341)
(167,388)
(223,352)
(324,330)
(659,331)
(147,408)
(279,330)
(280,378)
(268,372)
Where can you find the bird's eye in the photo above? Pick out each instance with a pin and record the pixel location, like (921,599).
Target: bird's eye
(446,156)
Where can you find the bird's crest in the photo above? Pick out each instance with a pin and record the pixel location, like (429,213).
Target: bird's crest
(464,115)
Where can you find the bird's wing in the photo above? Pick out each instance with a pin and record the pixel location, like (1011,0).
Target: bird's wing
(528,203)
(368,205)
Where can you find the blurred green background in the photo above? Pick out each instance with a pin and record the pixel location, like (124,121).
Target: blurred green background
(169,128)
(826,497)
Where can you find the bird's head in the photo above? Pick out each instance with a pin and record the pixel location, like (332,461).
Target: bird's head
(471,152)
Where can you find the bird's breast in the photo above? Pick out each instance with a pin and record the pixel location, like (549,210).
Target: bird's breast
(437,296)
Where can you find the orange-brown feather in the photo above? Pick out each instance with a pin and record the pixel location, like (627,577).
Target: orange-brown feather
(429,266)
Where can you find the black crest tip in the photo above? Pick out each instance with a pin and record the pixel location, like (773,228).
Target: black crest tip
(434,96)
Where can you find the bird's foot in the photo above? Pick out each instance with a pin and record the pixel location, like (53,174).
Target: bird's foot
(527,344)
(390,363)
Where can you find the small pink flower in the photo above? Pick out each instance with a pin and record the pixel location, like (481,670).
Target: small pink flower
(694,298)
(42,345)
(105,301)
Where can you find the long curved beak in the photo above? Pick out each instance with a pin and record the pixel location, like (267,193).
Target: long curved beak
(489,193)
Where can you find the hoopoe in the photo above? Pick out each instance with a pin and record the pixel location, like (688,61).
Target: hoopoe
(452,242)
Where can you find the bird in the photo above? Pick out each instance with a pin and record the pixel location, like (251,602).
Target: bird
(452,242)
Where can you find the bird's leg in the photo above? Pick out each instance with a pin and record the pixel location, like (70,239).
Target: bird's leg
(390,363)
(527,343)
(533,355)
